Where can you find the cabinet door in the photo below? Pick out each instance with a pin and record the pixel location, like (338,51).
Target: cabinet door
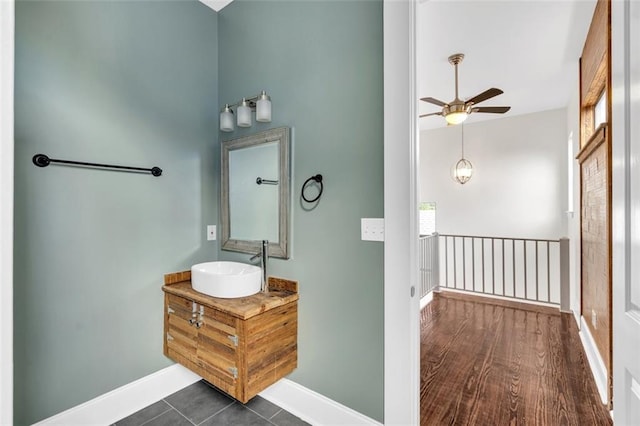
(217,348)
(181,329)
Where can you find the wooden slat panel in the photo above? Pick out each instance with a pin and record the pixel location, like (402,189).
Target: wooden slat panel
(271,348)
(595,248)
(275,318)
(182,345)
(221,382)
(281,284)
(220,337)
(594,54)
(216,355)
(220,320)
(283,365)
(180,303)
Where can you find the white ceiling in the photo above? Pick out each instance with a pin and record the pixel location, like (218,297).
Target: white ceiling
(216,5)
(528,48)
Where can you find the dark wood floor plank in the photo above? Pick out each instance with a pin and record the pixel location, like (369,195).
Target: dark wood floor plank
(503,363)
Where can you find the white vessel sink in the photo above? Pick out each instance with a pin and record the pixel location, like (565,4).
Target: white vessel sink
(226,279)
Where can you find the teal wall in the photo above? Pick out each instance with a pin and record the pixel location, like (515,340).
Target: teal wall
(131,83)
(321,62)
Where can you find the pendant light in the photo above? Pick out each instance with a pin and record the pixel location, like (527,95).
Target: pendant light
(226,119)
(263,108)
(244,114)
(463,169)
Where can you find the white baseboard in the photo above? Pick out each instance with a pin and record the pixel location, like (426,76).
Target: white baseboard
(595,360)
(426,299)
(311,406)
(132,397)
(126,400)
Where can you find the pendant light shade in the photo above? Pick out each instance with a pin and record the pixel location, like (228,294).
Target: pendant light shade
(226,119)
(263,108)
(244,114)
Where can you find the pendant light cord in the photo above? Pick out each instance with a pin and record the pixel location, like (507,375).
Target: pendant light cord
(462,143)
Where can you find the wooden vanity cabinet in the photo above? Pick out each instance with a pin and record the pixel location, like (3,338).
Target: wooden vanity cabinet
(241,346)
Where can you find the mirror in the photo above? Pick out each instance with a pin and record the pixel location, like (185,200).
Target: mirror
(255,192)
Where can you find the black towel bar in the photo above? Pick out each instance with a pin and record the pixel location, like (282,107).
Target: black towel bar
(42,160)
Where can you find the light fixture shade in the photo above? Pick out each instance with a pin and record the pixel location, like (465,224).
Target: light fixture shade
(244,114)
(263,108)
(226,119)
(456,117)
(463,171)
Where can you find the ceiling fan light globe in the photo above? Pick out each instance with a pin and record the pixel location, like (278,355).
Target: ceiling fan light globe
(456,117)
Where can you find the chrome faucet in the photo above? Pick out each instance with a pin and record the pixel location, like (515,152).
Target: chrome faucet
(263,254)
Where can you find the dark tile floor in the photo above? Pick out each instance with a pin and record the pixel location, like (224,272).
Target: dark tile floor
(202,404)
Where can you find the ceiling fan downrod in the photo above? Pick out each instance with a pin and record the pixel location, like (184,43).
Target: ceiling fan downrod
(454,60)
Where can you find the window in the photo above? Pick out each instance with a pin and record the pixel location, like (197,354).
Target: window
(427,218)
(570,164)
(600,110)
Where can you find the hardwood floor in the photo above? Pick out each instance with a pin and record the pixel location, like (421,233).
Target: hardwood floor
(488,362)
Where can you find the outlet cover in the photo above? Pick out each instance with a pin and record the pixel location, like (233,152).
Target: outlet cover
(211,232)
(372,229)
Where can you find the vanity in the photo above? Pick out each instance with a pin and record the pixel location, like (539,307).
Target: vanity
(240,345)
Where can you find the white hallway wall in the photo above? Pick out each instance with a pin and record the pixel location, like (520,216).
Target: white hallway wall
(519,186)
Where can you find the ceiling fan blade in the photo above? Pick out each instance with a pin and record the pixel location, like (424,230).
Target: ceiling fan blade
(492,110)
(487,94)
(433,113)
(434,101)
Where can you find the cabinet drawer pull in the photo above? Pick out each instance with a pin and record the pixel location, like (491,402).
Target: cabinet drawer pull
(170,310)
(234,339)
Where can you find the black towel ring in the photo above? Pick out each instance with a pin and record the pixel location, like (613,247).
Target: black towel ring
(317,178)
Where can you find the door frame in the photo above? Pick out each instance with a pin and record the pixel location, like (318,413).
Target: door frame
(401,302)
(7,47)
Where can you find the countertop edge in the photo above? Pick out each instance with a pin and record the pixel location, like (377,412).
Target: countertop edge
(242,307)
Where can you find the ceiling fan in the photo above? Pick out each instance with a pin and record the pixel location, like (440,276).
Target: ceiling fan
(456,111)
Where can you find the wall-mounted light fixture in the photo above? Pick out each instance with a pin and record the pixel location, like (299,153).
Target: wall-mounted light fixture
(261,104)
(463,169)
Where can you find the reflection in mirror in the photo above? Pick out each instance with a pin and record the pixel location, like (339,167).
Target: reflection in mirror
(255,192)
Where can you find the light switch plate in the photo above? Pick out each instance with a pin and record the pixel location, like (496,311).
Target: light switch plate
(211,232)
(372,229)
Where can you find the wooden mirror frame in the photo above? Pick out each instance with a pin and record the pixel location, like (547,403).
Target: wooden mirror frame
(278,248)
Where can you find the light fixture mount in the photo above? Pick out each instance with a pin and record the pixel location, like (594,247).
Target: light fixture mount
(456,58)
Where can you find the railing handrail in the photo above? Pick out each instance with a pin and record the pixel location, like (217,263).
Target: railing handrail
(424,236)
(498,238)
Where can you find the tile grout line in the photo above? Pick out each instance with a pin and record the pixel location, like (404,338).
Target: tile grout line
(178,411)
(263,417)
(277,412)
(216,413)
(164,412)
